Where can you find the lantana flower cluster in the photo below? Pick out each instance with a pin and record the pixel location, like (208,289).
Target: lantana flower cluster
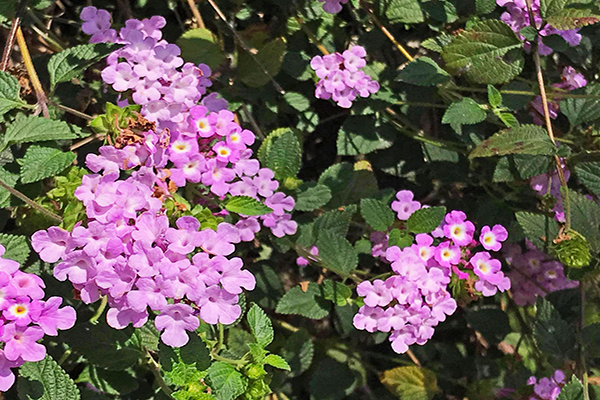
(517,17)
(342,78)
(416,298)
(533,273)
(570,80)
(547,388)
(26,318)
(333,6)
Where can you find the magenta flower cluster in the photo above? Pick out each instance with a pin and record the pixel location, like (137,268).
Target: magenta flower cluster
(25,318)
(333,6)
(517,17)
(533,273)
(547,388)
(415,299)
(342,78)
(570,80)
(203,142)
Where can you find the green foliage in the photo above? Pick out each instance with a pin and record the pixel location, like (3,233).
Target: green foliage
(347,184)
(246,206)
(226,382)
(310,303)
(401,11)
(109,382)
(16,247)
(573,18)
(572,390)
(377,214)
(69,63)
(9,93)
(489,52)
(585,219)
(423,71)
(186,365)
(36,129)
(553,335)
(277,361)
(589,174)
(201,46)
(337,292)
(255,70)
(400,238)
(311,196)
(299,352)
(463,112)
(411,383)
(538,228)
(362,135)
(582,110)
(284,155)
(114,119)
(336,252)
(492,323)
(524,139)
(425,220)
(43,162)
(45,380)
(260,325)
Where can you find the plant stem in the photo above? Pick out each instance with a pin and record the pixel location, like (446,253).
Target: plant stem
(30,202)
(421,104)
(73,111)
(586,393)
(312,36)
(528,93)
(197,15)
(99,311)
(33,77)
(64,357)
(221,338)
(385,31)
(10,39)
(155,368)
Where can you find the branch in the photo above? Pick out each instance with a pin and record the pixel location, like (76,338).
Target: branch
(33,77)
(30,202)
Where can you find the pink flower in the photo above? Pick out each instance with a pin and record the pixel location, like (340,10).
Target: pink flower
(492,238)
(405,205)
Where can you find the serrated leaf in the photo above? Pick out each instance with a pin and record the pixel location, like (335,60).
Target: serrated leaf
(42,162)
(298,351)
(425,220)
(589,174)
(109,382)
(423,71)
(410,383)
(492,323)
(572,390)
(284,156)
(494,96)
(573,18)
(69,63)
(553,7)
(483,7)
(399,238)
(582,110)
(539,229)
(336,292)
(377,214)
(336,221)
(347,184)
(524,139)
(489,52)
(591,340)
(585,218)
(225,381)
(247,205)
(337,252)
(186,364)
(46,380)
(201,46)
(554,336)
(36,129)
(401,11)
(509,120)
(297,100)
(17,248)
(309,304)
(260,326)
(361,134)
(9,93)
(277,362)
(463,112)
(312,196)
(269,55)
(11,180)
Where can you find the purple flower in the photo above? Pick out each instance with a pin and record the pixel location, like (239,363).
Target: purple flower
(233,279)
(333,6)
(375,293)
(51,244)
(218,305)
(367,318)
(53,318)
(174,321)
(405,205)
(21,342)
(7,378)
(458,229)
(492,238)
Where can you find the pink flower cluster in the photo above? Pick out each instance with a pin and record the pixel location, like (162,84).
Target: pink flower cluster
(414,300)
(203,143)
(333,6)
(550,184)
(534,274)
(25,318)
(96,23)
(547,388)
(517,17)
(342,78)
(570,80)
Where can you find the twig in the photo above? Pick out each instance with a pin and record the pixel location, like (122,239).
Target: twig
(85,141)
(245,46)
(73,111)
(29,202)
(33,77)
(253,122)
(155,368)
(197,15)
(529,93)
(99,311)
(10,40)
(46,33)
(414,358)
(312,36)
(385,31)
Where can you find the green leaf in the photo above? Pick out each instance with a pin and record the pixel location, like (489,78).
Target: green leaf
(109,382)
(492,323)
(539,229)
(591,340)
(11,180)
(332,380)
(377,214)
(284,156)
(552,7)
(184,365)
(524,139)
(585,218)
(246,205)
(483,7)
(69,63)
(347,184)
(9,93)
(425,220)
(298,351)
(572,390)
(589,174)
(361,134)
(201,46)
(42,162)
(580,111)
(225,381)
(410,383)
(554,336)
(335,221)
(494,96)
(297,100)
(489,52)
(269,55)
(399,238)
(311,196)
(336,292)
(309,304)
(573,18)
(277,361)
(337,252)
(36,129)
(463,112)
(17,248)
(260,325)
(509,120)
(401,11)
(423,71)
(46,380)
